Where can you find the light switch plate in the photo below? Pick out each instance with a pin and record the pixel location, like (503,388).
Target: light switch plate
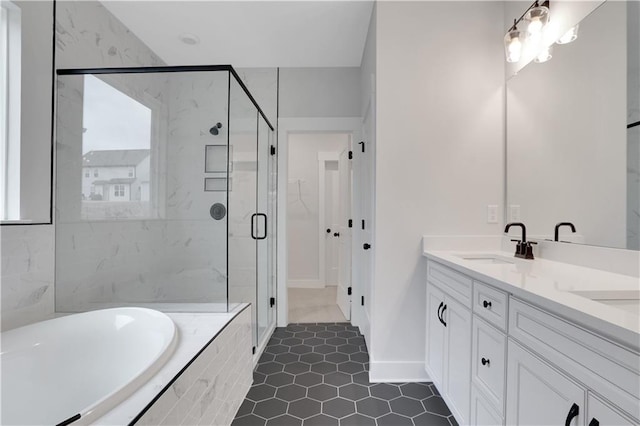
(514,213)
(492,213)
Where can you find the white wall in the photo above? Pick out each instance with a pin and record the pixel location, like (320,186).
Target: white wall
(320,92)
(567,137)
(303,207)
(439,159)
(633,134)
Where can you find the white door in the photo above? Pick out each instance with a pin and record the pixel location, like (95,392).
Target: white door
(457,383)
(364,157)
(332,234)
(344,249)
(539,395)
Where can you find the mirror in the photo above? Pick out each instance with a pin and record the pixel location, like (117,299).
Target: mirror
(573,136)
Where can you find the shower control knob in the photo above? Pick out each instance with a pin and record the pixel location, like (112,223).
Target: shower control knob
(366,246)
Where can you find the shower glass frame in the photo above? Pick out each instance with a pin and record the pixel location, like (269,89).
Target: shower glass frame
(249,237)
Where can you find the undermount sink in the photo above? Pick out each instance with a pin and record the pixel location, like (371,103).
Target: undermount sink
(485,259)
(627,300)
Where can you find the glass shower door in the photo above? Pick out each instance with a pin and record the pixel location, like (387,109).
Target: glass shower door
(243,185)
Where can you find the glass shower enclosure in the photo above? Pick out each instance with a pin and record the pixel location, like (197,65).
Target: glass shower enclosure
(165,192)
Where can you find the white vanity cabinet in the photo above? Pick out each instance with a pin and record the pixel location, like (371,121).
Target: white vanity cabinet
(448,343)
(497,359)
(539,394)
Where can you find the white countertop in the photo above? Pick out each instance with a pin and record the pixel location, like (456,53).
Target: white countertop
(549,284)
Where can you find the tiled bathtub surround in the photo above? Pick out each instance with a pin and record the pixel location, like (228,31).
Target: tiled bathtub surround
(210,389)
(317,375)
(27,274)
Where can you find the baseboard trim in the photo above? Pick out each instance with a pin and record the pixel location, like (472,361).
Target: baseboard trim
(397,371)
(305,284)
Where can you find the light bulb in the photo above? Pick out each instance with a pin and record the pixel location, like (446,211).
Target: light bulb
(544,55)
(569,36)
(513,46)
(537,17)
(535,27)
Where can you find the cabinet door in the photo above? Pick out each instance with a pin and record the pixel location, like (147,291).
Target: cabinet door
(601,414)
(538,394)
(457,377)
(482,412)
(435,336)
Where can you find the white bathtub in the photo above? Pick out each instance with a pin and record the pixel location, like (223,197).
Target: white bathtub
(82,364)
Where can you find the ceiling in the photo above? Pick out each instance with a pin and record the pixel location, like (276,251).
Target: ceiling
(251,33)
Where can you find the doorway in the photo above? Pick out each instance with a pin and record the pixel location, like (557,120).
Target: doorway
(318,236)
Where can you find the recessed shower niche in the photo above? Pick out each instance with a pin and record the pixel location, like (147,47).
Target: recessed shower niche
(138,170)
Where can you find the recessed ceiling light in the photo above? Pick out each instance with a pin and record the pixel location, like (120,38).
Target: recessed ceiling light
(189,39)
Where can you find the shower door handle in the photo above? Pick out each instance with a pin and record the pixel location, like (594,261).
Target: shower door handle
(253,223)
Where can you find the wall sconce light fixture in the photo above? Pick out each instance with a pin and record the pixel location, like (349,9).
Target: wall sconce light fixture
(535,18)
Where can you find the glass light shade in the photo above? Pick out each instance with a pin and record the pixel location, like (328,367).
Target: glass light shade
(544,55)
(513,45)
(536,18)
(569,36)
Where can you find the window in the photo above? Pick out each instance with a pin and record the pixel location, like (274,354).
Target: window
(95,173)
(118,190)
(10,102)
(87,173)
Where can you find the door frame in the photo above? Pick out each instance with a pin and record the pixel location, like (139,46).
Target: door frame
(287,126)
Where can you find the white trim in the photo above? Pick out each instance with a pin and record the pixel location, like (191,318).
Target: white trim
(397,372)
(306,284)
(286,126)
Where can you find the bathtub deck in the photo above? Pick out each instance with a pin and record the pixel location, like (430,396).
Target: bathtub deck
(195,330)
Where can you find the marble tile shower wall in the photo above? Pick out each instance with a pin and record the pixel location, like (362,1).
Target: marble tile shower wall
(87,35)
(179,255)
(27,274)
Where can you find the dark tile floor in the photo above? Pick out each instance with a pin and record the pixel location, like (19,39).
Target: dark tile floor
(317,375)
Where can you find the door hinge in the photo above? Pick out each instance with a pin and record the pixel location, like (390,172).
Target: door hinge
(272,301)
(350,155)
(350,223)
(362,143)
(273,150)
(253,350)
(363,224)
(362,301)
(348,291)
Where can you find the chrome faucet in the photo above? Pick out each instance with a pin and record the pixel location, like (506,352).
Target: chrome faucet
(556,232)
(524,248)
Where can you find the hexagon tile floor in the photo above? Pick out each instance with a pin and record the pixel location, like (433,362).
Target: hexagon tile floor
(317,375)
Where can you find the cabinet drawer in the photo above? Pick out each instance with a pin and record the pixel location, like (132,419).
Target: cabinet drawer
(605,367)
(488,362)
(490,304)
(450,281)
(482,412)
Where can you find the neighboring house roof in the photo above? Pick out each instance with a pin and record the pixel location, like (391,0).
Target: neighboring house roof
(114,181)
(114,158)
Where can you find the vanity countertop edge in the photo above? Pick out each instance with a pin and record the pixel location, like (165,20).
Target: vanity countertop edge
(524,282)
